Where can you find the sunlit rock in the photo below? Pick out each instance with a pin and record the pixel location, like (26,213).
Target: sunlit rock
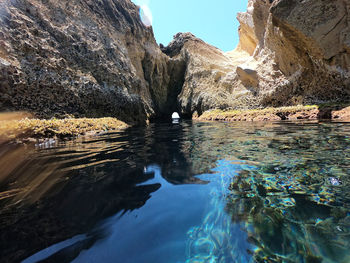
(175,115)
(146,15)
(289,53)
(90,58)
(247,75)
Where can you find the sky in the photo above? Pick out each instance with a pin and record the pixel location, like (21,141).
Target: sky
(214,21)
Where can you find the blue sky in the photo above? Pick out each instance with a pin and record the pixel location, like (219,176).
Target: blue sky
(213,21)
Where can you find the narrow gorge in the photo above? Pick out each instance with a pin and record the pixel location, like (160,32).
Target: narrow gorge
(96,58)
(116,148)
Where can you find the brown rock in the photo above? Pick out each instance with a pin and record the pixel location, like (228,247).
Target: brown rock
(87,58)
(210,79)
(343,114)
(248,76)
(267,117)
(96,58)
(290,53)
(305,115)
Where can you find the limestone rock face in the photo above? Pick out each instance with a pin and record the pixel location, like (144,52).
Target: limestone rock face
(290,52)
(301,52)
(210,79)
(95,58)
(308,42)
(80,57)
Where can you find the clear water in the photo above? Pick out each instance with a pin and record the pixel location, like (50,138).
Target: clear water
(187,192)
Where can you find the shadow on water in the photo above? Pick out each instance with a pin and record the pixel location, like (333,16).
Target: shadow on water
(50,195)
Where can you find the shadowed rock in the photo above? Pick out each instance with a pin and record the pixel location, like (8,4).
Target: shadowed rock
(86,58)
(96,58)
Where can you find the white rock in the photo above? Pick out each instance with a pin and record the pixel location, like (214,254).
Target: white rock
(175,115)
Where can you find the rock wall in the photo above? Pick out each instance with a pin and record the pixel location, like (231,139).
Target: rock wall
(309,42)
(209,78)
(80,57)
(95,58)
(290,52)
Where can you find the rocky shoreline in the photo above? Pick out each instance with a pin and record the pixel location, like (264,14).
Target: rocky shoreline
(14,129)
(95,59)
(98,60)
(21,127)
(292,113)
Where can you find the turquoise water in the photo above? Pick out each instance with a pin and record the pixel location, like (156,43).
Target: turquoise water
(187,192)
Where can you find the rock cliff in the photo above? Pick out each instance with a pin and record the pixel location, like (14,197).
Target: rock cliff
(210,79)
(80,57)
(96,58)
(308,42)
(290,52)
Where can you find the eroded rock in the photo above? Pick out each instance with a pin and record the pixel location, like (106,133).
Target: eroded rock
(96,58)
(210,79)
(290,53)
(248,76)
(85,58)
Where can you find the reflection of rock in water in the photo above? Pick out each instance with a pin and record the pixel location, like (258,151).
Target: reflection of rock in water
(295,204)
(217,239)
(75,208)
(66,191)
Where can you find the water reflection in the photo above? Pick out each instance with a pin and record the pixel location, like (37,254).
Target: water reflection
(54,194)
(187,192)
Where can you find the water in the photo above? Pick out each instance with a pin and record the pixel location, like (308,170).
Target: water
(187,192)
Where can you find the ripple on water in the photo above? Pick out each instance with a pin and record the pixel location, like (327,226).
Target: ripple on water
(217,192)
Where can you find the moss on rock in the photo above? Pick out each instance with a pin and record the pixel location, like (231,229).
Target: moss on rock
(307,112)
(62,128)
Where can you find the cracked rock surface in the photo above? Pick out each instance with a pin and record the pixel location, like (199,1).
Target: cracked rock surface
(80,57)
(96,58)
(290,52)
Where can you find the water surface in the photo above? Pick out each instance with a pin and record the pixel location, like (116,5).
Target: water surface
(187,192)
